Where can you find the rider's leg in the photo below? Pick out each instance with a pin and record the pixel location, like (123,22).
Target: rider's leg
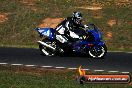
(63,42)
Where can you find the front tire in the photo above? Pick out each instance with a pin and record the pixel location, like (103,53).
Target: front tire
(98,52)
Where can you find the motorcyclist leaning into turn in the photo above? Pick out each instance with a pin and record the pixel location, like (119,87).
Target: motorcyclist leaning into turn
(65,31)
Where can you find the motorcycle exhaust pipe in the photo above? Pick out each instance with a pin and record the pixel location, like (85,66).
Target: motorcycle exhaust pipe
(43,43)
(46,53)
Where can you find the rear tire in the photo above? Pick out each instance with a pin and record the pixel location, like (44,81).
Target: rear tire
(43,48)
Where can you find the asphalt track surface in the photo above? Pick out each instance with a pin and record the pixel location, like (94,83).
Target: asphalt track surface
(114,61)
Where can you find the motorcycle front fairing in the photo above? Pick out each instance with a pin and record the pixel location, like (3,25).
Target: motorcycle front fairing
(95,41)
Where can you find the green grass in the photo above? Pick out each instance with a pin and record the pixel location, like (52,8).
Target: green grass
(22,77)
(22,19)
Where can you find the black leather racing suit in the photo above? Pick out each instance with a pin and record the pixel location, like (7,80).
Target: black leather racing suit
(65,31)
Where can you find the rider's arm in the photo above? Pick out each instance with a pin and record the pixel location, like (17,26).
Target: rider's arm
(81,26)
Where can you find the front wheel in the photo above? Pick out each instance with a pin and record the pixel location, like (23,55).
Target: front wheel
(98,51)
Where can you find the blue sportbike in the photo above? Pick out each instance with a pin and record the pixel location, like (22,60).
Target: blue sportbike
(90,42)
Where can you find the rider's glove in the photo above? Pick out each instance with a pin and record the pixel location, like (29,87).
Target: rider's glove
(86,26)
(81,37)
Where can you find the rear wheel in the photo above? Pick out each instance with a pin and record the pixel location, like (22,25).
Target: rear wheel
(45,50)
(98,52)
